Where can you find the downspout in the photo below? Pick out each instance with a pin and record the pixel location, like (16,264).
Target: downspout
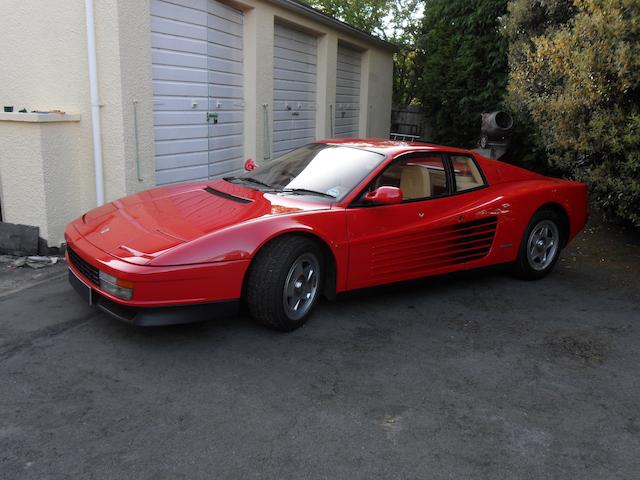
(95,105)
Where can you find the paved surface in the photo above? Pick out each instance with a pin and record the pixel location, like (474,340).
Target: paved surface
(475,376)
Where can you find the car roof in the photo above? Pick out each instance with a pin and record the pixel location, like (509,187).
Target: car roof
(391,147)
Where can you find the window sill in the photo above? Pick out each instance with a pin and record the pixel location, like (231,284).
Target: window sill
(38,117)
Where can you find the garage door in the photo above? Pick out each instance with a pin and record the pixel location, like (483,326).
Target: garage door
(347,111)
(294,89)
(197,88)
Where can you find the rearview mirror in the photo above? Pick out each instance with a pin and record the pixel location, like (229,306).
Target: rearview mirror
(385,196)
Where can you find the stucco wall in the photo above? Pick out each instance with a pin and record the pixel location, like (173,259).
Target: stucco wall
(44,59)
(46,170)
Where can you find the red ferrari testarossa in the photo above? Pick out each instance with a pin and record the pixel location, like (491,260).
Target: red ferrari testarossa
(329,217)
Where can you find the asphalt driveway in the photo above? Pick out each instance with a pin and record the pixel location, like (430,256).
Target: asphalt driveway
(469,376)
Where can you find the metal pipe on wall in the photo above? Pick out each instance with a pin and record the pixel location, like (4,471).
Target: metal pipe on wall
(95,105)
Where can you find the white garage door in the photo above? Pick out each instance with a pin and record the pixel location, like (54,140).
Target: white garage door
(294,89)
(347,114)
(197,88)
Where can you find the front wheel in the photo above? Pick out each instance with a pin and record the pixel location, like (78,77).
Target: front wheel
(284,282)
(540,246)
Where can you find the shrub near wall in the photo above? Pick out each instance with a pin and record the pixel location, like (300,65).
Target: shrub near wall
(579,84)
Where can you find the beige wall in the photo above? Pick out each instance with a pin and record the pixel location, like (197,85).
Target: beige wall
(46,169)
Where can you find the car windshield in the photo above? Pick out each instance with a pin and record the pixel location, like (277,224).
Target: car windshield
(329,172)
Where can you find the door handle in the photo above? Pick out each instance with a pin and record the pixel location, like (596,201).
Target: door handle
(213,115)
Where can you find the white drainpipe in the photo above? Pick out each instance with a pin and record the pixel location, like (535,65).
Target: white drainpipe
(95,105)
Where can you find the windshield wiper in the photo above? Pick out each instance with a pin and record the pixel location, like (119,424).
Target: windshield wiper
(306,191)
(248,179)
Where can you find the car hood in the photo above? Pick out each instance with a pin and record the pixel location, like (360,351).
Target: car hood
(141,227)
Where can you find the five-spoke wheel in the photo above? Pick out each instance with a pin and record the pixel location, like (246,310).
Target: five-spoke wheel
(285,281)
(540,246)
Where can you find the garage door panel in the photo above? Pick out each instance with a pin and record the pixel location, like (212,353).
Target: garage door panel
(225,167)
(347,98)
(177,147)
(285,146)
(188,11)
(294,131)
(224,53)
(182,174)
(283,114)
(346,114)
(220,10)
(179,44)
(347,111)
(178,59)
(182,160)
(294,85)
(179,103)
(307,125)
(293,98)
(293,56)
(225,78)
(344,83)
(282,33)
(347,69)
(170,72)
(306,48)
(179,118)
(224,141)
(284,65)
(224,38)
(180,132)
(224,154)
(166,87)
(197,57)
(295,76)
(173,27)
(215,64)
(224,91)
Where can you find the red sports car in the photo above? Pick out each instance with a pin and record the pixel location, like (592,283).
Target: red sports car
(329,217)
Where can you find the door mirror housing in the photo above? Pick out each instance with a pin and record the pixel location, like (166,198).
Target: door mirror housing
(384,196)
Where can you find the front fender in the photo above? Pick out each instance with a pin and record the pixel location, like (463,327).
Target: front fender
(243,241)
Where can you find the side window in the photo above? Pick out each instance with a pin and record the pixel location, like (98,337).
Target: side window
(466,173)
(418,177)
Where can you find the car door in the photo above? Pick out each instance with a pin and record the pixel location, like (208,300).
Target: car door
(438,227)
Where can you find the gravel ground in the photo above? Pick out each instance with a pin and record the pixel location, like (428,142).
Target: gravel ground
(468,376)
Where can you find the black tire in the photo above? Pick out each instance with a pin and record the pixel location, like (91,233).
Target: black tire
(524,266)
(268,275)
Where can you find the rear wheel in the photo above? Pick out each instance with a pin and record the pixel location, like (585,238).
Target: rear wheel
(284,282)
(540,246)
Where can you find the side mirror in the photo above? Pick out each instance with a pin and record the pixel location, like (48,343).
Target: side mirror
(385,196)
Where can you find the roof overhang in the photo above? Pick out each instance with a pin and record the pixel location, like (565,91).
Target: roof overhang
(314,14)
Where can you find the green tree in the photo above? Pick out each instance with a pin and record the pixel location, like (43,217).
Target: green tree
(397,21)
(464,69)
(366,15)
(578,81)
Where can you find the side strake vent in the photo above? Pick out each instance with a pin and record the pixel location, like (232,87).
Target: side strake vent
(228,196)
(438,248)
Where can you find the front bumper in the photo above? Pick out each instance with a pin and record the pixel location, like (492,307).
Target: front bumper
(153,316)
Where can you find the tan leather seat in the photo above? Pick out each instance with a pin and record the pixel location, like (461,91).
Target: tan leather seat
(470,180)
(415,182)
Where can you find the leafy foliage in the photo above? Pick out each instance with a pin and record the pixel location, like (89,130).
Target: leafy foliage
(465,66)
(366,15)
(396,21)
(577,80)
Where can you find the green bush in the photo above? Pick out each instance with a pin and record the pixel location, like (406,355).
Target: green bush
(577,81)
